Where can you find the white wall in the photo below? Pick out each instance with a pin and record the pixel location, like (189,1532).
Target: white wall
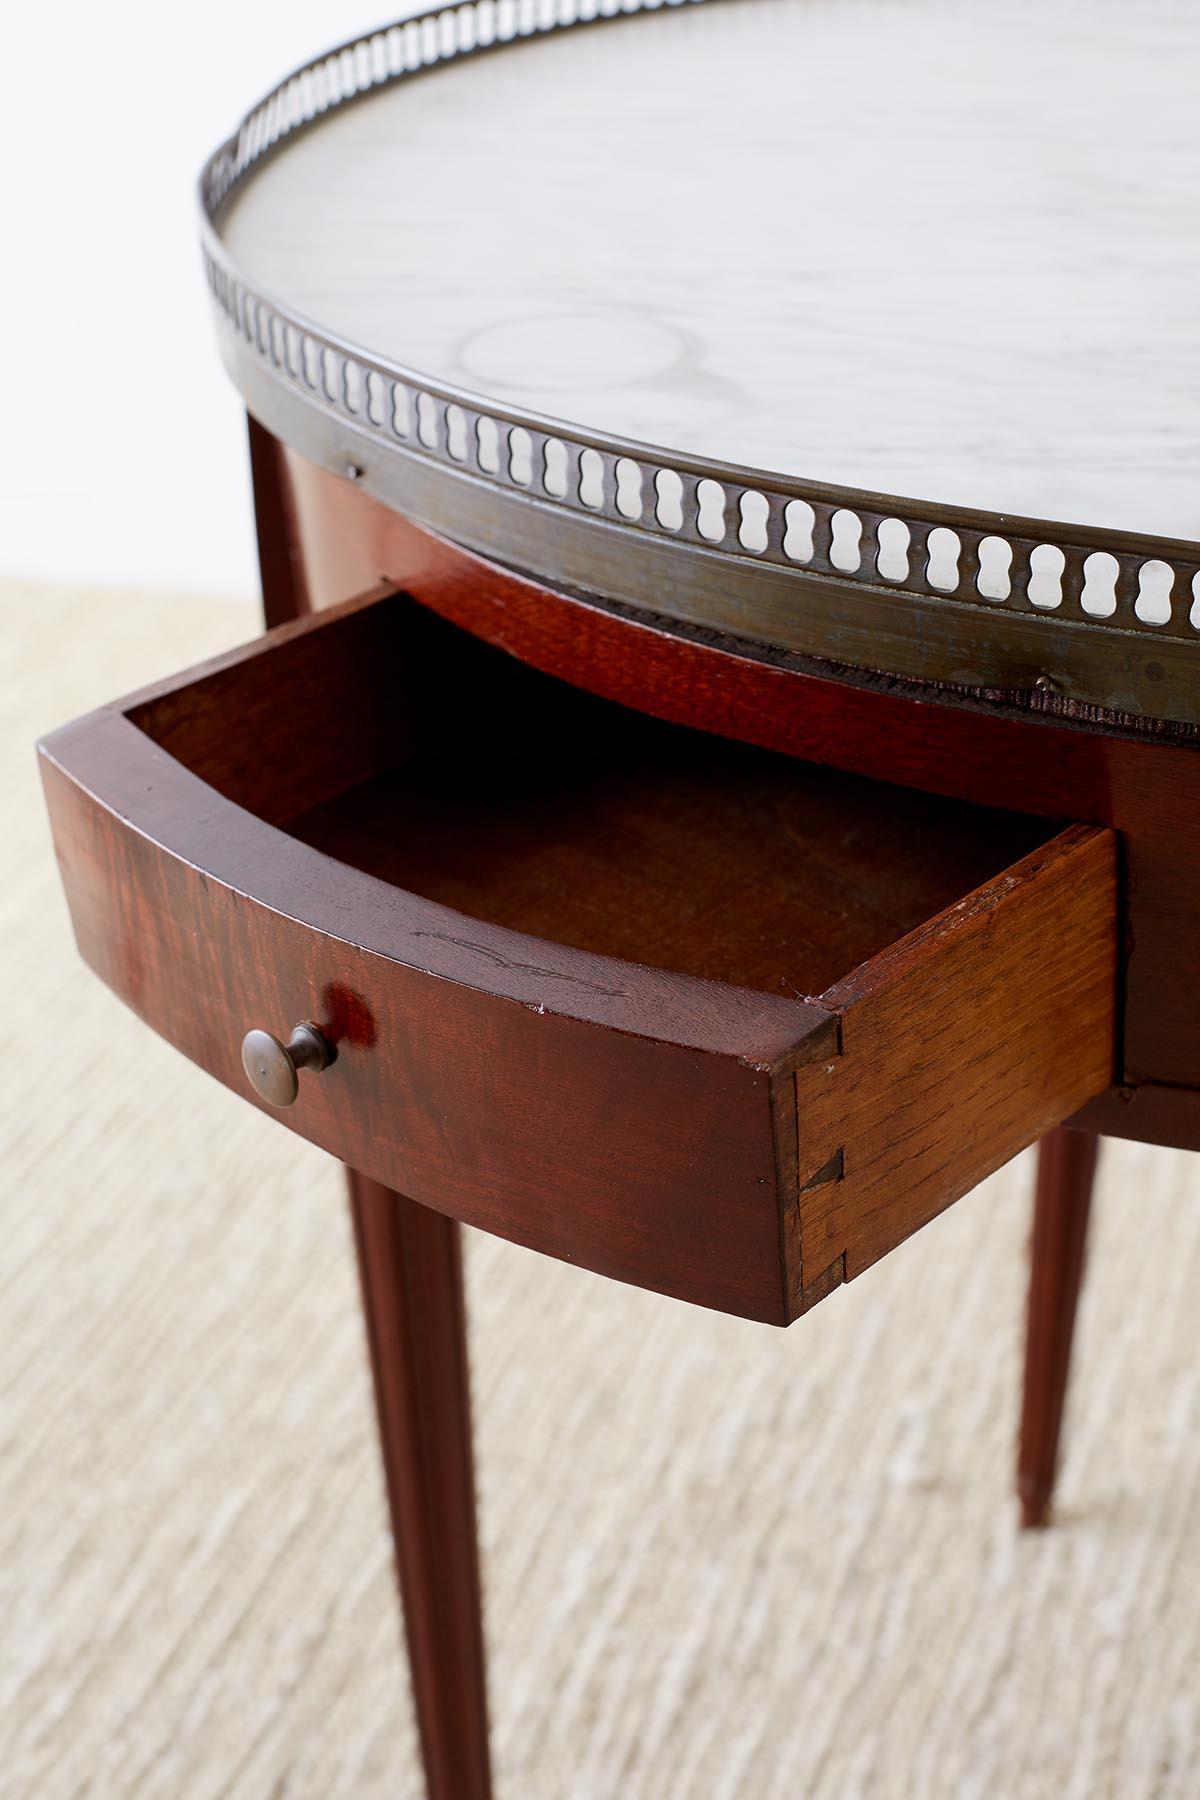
(122,443)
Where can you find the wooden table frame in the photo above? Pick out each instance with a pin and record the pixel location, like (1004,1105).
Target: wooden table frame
(322,540)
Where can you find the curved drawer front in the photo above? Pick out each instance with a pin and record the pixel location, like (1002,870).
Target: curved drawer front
(562,952)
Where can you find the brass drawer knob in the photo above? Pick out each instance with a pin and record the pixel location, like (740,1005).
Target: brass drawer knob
(274,1068)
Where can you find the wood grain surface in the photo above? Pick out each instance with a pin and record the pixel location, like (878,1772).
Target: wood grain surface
(986,751)
(414,1311)
(634,1111)
(410,1272)
(471,1064)
(958,1047)
(1061,1208)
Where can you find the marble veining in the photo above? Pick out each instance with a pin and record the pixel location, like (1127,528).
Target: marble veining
(903,244)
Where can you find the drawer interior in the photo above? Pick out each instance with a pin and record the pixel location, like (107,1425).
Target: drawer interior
(449,769)
(680,1010)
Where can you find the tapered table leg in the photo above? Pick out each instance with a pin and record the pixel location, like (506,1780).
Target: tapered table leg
(410,1266)
(280,564)
(410,1271)
(1062,1202)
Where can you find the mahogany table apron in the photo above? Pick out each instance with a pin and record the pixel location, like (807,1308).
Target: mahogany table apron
(665,801)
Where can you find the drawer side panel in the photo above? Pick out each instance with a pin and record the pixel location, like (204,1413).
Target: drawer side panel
(959,1047)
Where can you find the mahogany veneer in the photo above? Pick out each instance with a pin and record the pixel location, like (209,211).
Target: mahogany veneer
(685,1011)
(970,747)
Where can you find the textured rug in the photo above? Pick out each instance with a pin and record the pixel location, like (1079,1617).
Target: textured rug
(722,1562)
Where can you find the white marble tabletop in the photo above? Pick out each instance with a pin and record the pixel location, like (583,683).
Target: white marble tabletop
(937,249)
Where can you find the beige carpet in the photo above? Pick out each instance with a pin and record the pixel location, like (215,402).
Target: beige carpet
(723,1563)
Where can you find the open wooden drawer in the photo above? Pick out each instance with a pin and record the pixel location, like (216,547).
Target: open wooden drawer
(564,953)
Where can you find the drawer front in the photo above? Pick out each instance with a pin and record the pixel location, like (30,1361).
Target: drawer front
(740,1149)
